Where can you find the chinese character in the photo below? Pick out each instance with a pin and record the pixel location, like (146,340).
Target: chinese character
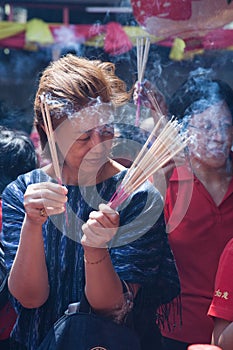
(218,293)
(225,295)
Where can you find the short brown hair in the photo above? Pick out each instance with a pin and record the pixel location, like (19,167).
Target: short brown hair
(72,82)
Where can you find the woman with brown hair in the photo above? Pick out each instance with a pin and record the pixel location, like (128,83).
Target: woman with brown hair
(61,237)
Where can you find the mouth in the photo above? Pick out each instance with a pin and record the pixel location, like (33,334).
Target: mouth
(218,151)
(96,160)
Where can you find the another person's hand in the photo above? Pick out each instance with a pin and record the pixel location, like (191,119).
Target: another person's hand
(101,227)
(44,199)
(150,97)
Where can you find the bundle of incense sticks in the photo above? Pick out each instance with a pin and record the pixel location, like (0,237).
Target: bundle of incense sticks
(50,136)
(52,144)
(143,46)
(155,153)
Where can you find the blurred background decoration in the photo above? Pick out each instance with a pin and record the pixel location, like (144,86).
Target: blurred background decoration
(114,25)
(187,19)
(184,35)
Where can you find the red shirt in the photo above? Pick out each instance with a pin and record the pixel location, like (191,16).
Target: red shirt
(7,320)
(222,303)
(198,232)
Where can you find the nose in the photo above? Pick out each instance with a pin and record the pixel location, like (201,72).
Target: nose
(220,133)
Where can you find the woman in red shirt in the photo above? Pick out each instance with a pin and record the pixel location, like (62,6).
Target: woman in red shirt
(221,308)
(199,202)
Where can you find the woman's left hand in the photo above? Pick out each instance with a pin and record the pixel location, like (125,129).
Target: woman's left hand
(101,227)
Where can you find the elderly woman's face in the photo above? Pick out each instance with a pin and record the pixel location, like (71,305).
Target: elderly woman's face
(87,137)
(212,135)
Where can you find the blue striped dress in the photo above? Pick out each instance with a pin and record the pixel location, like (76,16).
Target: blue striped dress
(140,251)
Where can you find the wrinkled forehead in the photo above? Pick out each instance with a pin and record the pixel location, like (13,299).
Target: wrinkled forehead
(218,112)
(91,117)
(93,108)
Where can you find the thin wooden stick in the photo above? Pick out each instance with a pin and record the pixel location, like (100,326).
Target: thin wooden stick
(139,55)
(158,148)
(145,58)
(144,150)
(167,144)
(52,144)
(153,169)
(51,140)
(154,103)
(133,170)
(142,57)
(145,146)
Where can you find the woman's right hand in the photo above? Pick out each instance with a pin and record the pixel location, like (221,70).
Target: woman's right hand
(44,199)
(101,227)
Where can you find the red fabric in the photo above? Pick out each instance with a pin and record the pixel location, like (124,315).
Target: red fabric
(218,39)
(183,19)
(73,33)
(7,320)
(198,233)
(175,10)
(222,303)
(7,313)
(215,39)
(16,41)
(116,41)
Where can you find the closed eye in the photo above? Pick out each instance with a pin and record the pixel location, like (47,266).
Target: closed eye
(83,137)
